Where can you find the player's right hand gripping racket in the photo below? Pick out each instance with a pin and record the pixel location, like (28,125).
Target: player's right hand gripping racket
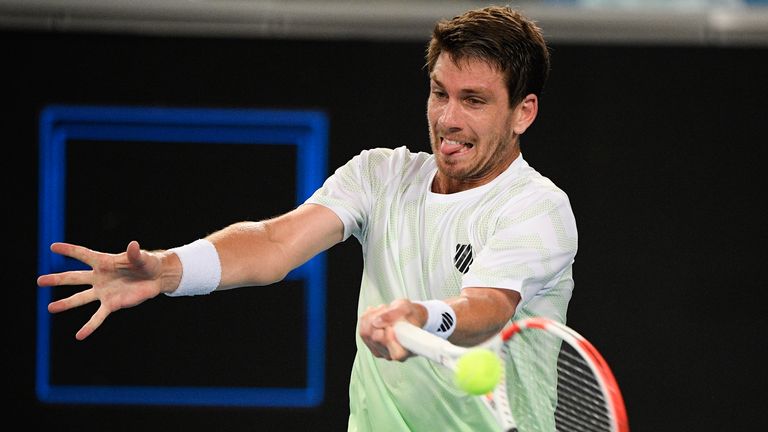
(569,386)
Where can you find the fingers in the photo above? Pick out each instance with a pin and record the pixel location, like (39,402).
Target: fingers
(133,251)
(93,323)
(116,281)
(79,253)
(73,301)
(396,351)
(377,332)
(79,277)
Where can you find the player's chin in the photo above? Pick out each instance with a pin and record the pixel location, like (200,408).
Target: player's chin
(453,168)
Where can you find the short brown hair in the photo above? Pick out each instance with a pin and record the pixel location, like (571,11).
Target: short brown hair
(501,36)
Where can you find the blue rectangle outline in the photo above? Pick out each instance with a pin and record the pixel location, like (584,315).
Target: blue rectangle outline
(306,129)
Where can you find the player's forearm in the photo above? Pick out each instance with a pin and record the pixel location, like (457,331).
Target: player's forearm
(250,255)
(261,253)
(481,313)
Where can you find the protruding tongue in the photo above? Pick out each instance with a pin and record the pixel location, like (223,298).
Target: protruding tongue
(450,147)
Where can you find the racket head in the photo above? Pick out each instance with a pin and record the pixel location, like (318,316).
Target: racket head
(552,368)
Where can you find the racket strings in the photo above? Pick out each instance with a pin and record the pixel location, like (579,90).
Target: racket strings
(532,380)
(552,387)
(581,406)
(500,400)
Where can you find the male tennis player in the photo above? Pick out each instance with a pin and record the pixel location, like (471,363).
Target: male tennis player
(459,241)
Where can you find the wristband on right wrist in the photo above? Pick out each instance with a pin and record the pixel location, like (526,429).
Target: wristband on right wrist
(441,318)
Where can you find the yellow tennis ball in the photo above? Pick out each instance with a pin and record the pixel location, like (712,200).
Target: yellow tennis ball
(478,371)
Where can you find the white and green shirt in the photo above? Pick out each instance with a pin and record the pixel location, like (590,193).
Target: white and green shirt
(517,232)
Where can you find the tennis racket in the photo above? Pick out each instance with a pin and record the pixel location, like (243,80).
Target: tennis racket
(568,385)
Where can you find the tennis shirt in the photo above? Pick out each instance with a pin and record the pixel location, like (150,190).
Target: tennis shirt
(517,232)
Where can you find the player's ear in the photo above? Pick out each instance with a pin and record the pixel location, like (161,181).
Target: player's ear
(525,113)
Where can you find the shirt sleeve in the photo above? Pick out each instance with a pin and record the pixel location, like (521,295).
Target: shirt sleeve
(349,190)
(530,251)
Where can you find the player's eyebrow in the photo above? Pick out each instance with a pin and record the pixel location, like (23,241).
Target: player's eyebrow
(464,91)
(435,80)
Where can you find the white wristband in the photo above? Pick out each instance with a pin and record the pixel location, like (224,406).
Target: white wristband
(200,269)
(441,319)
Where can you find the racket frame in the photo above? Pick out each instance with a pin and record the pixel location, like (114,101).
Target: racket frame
(441,351)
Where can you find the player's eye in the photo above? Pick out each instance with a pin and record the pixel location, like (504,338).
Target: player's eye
(439,94)
(475,101)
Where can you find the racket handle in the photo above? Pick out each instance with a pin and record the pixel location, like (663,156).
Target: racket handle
(425,344)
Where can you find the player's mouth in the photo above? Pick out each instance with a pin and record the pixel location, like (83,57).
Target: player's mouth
(450,147)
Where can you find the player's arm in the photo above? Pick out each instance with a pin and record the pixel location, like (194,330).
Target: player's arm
(250,253)
(261,253)
(480,313)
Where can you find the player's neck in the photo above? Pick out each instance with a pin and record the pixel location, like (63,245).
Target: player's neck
(445,183)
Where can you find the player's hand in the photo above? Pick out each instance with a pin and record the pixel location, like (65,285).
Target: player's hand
(117,281)
(378,334)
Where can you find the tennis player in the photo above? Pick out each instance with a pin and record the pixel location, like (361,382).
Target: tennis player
(458,241)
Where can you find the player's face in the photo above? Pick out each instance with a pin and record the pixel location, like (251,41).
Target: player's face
(470,124)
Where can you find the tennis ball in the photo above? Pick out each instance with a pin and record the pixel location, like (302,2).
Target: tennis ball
(478,371)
